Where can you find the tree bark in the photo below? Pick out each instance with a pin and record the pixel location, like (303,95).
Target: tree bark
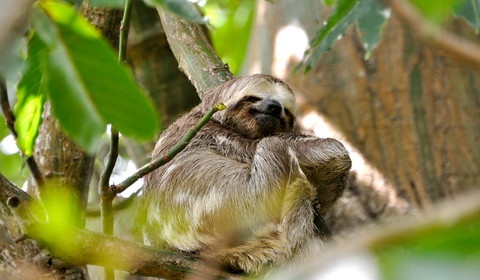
(155,67)
(412,112)
(194,52)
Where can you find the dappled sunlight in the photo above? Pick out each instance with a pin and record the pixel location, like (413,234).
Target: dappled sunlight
(121,175)
(291,41)
(366,174)
(8,146)
(359,266)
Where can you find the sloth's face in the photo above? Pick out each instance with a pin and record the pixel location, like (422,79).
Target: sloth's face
(263,110)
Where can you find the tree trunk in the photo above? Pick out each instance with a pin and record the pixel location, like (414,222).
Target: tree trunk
(411,112)
(155,67)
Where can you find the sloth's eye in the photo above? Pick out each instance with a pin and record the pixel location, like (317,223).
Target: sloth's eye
(252,98)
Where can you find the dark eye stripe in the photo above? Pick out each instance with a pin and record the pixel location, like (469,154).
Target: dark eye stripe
(289,114)
(251,98)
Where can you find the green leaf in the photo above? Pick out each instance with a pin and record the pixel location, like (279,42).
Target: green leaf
(329,2)
(470,11)
(31,97)
(371,18)
(336,25)
(183,8)
(438,10)
(87,86)
(452,253)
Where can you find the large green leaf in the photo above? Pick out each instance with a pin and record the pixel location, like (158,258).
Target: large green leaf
(30,97)
(342,17)
(371,18)
(183,8)
(87,86)
(470,10)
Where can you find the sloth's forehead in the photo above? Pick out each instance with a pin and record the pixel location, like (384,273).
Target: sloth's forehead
(268,90)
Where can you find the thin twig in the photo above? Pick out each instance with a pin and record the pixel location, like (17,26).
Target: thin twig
(120,204)
(106,193)
(124,28)
(10,122)
(147,168)
(451,44)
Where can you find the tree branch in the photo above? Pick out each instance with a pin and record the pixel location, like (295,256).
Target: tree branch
(83,247)
(9,190)
(147,168)
(451,44)
(10,121)
(195,55)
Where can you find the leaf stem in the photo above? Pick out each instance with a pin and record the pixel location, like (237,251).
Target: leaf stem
(106,193)
(144,170)
(124,28)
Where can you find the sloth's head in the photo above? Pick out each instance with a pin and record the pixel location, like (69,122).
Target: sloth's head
(257,106)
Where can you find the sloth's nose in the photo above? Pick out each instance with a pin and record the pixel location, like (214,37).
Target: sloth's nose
(270,107)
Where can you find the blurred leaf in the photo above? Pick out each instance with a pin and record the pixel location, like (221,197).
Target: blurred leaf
(438,10)
(329,2)
(183,8)
(371,18)
(31,97)
(232,25)
(57,216)
(11,62)
(470,10)
(448,254)
(342,17)
(87,86)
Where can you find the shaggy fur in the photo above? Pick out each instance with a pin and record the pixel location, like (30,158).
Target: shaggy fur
(248,187)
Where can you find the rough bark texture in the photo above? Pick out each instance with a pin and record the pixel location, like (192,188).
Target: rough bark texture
(411,112)
(155,67)
(60,160)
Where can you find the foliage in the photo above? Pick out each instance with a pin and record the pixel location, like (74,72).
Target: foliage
(88,88)
(370,17)
(470,10)
(453,253)
(231,22)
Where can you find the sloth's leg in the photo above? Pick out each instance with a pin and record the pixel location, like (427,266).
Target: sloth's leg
(279,242)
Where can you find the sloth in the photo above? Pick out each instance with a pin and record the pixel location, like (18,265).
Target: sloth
(249,189)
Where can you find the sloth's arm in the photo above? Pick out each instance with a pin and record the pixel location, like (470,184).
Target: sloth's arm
(326,163)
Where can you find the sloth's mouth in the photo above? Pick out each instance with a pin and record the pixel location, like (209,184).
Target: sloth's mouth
(261,114)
